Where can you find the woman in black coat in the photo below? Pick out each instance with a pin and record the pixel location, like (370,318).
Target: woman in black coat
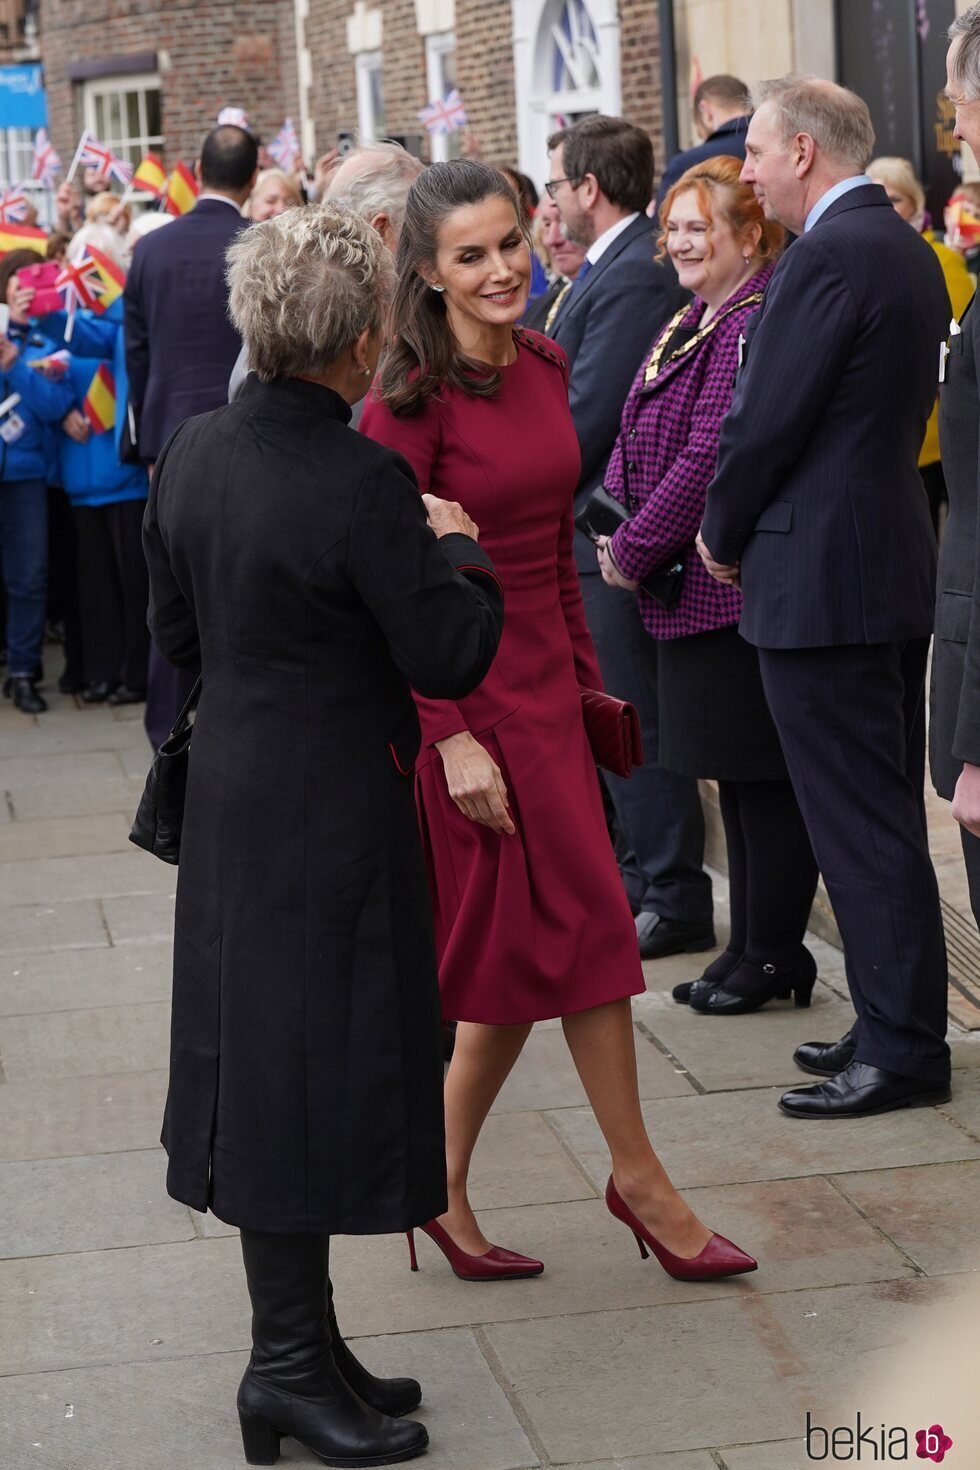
(292,557)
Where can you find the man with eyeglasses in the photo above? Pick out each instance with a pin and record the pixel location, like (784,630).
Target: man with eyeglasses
(601,180)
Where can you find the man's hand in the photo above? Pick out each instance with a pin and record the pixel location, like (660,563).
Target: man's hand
(966,799)
(445,516)
(475,783)
(76,426)
(721,573)
(611,574)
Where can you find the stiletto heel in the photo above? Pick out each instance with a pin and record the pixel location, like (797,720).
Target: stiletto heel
(644,1253)
(498,1264)
(260,1440)
(410,1236)
(720,1257)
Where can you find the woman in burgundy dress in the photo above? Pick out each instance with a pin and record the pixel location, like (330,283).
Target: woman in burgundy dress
(531,918)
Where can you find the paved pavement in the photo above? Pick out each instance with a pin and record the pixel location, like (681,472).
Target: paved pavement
(124,1318)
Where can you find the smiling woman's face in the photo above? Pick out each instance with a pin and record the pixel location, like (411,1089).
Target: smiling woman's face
(484,263)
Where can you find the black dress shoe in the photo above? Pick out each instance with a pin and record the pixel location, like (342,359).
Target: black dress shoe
(25,696)
(750,986)
(860,1091)
(70,683)
(658,936)
(125,695)
(97,693)
(826,1058)
(717,971)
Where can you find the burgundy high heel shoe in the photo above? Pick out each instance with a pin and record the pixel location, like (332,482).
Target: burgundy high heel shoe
(497,1264)
(720,1257)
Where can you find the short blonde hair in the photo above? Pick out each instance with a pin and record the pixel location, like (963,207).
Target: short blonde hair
(278,176)
(100,206)
(304,286)
(899,175)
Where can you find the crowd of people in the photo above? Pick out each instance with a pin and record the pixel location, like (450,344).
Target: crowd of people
(420,467)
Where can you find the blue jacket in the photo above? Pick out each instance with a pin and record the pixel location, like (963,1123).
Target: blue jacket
(43,404)
(96,336)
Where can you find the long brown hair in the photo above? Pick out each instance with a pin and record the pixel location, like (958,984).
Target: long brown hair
(423,355)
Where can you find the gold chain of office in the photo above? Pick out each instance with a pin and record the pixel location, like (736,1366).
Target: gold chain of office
(656,357)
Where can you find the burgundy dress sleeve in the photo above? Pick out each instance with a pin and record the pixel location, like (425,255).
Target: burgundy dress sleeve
(417,440)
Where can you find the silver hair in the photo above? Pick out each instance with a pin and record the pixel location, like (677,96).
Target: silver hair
(379,185)
(304,286)
(965,65)
(835,118)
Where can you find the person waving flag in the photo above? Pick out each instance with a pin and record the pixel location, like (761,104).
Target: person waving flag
(45,164)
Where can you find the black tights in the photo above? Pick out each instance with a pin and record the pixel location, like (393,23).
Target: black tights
(772,873)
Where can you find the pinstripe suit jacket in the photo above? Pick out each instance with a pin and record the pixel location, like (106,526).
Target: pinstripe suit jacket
(817,491)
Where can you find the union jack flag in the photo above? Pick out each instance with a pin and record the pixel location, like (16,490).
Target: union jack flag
(93,154)
(14,205)
(81,285)
(235,117)
(46,164)
(446,116)
(284,147)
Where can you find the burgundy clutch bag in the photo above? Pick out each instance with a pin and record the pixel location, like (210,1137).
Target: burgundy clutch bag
(613,728)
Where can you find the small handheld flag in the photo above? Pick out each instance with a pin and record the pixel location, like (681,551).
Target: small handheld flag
(182,190)
(99,403)
(151,176)
(284,147)
(45,164)
(235,117)
(446,116)
(90,153)
(14,205)
(112,279)
(81,285)
(22,237)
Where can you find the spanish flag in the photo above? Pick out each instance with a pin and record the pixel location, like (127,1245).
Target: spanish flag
(99,406)
(151,176)
(23,237)
(112,278)
(182,190)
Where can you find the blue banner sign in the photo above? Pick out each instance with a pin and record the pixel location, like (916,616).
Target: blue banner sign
(22,100)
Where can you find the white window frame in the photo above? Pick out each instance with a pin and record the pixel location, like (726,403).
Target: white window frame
(442,146)
(370,127)
(133,148)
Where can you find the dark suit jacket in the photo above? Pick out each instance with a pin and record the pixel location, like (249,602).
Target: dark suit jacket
(180,343)
(605,325)
(954,730)
(728,140)
(817,490)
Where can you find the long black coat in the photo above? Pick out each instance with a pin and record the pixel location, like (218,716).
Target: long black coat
(292,556)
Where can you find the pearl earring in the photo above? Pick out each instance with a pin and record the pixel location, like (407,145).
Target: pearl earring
(437,288)
(365,372)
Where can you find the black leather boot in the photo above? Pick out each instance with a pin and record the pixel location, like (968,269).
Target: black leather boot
(292,1385)
(395,1396)
(717,971)
(750,985)
(25,696)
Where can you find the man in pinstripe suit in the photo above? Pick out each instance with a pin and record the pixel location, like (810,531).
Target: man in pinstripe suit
(818,507)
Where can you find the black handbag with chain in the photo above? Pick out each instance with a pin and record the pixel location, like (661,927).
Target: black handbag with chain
(160,815)
(603,515)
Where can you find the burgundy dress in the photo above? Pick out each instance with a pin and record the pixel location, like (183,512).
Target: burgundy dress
(534,925)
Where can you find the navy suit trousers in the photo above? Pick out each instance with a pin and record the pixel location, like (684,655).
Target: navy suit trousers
(852,725)
(659,812)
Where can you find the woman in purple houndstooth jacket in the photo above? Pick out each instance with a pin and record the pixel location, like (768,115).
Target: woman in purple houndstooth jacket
(714,721)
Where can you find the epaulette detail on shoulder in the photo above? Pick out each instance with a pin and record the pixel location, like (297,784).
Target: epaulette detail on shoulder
(541,345)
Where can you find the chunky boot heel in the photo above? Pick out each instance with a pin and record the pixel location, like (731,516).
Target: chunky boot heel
(259,1440)
(802,992)
(752,984)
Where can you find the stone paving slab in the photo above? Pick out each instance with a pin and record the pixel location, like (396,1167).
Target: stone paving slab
(965,1106)
(143,917)
(930,1212)
(786,1454)
(52,1206)
(135,760)
(519,1161)
(63,837)
(729,1138)
(114,793)
(686,1460)
(63,733)
(733,1052)
(59,770)
(60,1118)
(620,1382)
(545,1076)
(181,1413)
(97,876)
(133,1038)
(34,927)
(77,979)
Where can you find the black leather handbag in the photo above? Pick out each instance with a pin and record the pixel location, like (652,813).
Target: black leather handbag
(603,515)
(160,815)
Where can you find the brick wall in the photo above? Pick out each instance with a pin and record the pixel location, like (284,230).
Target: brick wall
(485,66)
(639,41)
(333,95)
(210,55)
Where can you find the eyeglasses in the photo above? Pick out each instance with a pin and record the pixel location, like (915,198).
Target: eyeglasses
(552,186)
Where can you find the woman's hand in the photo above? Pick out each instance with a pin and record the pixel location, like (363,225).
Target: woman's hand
(445,516)
(8,354)
(76,426)
(20,300)
(611,574)
(475,783)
